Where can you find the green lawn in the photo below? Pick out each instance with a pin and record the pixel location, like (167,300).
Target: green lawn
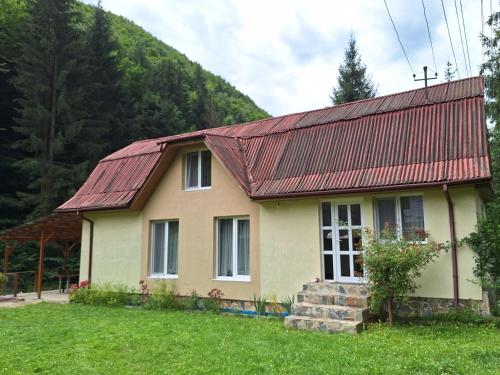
(72,339)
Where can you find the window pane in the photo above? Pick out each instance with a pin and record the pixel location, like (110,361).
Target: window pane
(355,214)
(344,266)
(356,236)
(243,247)
(328,260)
(344,240)
(206,159)
(342,212)
(386,215)
(326,214)
(158,250)
(412,218)
(173,245)
(192,170)
(358,266)
(225,251)
(327,240)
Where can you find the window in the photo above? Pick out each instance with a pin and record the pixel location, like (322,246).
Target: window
(198,170)
(233,249)
(403,216)
(164,248)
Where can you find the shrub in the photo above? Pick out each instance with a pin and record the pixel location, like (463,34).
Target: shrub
(287,303)
(163,298)
(392,265)
(260,304)
(213,302)
(3,281)
(195,302)
(486,244)
(104,295)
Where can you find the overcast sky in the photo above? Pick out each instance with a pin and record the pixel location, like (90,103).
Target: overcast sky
(285,54)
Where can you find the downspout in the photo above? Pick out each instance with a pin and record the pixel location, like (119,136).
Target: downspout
(91,247)
(451,219)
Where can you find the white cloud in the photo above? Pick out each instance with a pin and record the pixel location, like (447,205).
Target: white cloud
(285,54)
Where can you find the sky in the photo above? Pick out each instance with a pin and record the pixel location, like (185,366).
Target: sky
(285,54)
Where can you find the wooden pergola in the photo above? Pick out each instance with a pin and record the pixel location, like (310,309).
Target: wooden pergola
(61,228)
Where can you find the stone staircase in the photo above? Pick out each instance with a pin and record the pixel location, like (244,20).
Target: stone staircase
(330,307)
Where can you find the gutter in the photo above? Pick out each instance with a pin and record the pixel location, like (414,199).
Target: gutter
(91,247)
(451,219)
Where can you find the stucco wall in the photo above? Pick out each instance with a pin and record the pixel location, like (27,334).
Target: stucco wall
(117,248)
(290,242)
(196,212)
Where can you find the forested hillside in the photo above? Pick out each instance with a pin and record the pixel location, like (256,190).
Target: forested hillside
(77,83)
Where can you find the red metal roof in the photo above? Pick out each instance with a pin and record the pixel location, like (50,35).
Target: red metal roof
(408,138)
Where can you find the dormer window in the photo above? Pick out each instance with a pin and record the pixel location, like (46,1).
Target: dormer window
(198,170)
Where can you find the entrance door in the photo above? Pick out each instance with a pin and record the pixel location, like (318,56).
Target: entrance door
(342,241)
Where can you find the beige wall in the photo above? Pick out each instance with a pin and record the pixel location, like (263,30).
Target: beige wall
(290,242)
(196,212)
(117,248)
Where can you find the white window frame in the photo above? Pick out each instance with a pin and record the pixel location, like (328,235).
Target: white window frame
(163,275)
(198,187)
(399,220)
(235,277)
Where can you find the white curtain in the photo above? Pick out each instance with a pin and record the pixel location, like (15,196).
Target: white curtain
(158,247)
(225,251)
(243,247)
(173,240)
(192,169)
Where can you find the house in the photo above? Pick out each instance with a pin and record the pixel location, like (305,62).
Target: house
(267,206)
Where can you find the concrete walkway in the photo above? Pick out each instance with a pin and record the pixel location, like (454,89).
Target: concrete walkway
(23,299)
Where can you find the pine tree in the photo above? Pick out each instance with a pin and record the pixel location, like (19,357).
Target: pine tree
(353,80)
(449,74)
(103,93)
(48,81)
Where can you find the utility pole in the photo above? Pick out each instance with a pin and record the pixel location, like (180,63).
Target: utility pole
(426,78)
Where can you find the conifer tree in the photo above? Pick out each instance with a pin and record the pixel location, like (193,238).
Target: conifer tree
(353,80)
(449,74)
(48,81)
(103,93)
(200,102)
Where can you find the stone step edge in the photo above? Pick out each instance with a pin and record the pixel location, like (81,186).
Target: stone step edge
(339,326)
(338,307)
(315,292)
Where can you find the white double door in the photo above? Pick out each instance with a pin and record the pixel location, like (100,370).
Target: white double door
(342,241)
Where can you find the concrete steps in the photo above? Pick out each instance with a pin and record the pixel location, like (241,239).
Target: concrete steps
(330,307)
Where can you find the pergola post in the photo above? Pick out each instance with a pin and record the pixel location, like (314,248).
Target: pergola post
(40,267)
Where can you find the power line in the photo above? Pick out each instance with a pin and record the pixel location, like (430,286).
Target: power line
(397,34)
(465,37)
(430,39)
(461,39)
(449,36)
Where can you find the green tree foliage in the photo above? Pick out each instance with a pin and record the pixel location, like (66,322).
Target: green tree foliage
(47,81)
(393,264)
(353,80)
(486,240)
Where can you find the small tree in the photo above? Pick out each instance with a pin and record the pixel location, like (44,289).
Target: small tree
(393,265)
(353,81)
(3,281)
(449,73)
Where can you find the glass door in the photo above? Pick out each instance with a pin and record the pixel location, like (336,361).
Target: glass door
(342,233)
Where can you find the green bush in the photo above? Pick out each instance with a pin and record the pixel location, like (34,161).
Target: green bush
(104,295)
(392,265)
(3,281)
(163,298)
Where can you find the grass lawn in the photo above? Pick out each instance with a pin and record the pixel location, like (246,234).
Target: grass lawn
(73,339)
